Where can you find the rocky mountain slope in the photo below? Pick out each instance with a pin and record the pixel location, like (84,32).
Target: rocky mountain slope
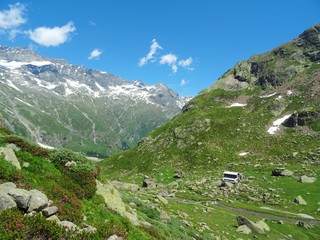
(261,116)
(63,105)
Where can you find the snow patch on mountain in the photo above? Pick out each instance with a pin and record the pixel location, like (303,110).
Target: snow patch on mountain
(276,124)
(10,84)
(20,100)
(16,64)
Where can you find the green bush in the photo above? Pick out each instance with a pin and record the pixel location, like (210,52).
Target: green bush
(82,174)
(26,146)
(62,156)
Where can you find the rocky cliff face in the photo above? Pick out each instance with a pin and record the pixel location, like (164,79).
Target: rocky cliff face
(277,67)
(63,105)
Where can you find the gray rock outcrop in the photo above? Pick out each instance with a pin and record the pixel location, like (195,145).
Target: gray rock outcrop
(306,179)
(10,156)
(38,201)
(299,200)
(260,227)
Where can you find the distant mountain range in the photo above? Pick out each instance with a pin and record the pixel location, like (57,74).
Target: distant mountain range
(62,105)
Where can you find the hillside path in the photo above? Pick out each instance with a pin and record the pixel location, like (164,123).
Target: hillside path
(249,212)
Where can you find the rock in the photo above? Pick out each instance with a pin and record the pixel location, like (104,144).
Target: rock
(68,225)
(286,172)
(70,164)
(49,211)
(178,174)
(25,164)
(89,229)
(243,229)
(253,227)
(21,197)
(164,216)
(280,222)
(114,237)
(114,202)
(162,200)
(5,187)
(54,218)
(10,156)
(38,201)
(262,224)
(149,183)
(303,225)
(299,200)
(306,179)
(6,202)
(302,118)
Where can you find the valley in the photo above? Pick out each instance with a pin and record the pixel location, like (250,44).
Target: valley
(261,119)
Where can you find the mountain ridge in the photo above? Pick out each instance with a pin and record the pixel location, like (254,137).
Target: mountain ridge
(31,83)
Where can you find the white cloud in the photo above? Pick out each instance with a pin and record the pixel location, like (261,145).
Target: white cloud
(52,37)
(95,54)
(170,59)
(183,82)
(150,56)
(186,63)
(13,17)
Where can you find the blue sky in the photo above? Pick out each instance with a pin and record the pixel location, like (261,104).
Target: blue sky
(186,44)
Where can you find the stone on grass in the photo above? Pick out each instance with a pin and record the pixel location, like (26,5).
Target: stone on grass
(5,187)
(38,201)
(10,156)
(243,229)
(68,225)
(303,225)
(253,226)
(53,218)
(286,172)
(162,200)
(178,174)
(306,179)
(21,197)
(89,229)
(6,202)
(164,216)
(262,224)
(299,200)
(49,211)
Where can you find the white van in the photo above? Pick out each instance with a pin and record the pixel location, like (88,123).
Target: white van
(233,177)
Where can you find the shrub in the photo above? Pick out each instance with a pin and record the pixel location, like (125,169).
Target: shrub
(62,156)
(82,174)
(26,146)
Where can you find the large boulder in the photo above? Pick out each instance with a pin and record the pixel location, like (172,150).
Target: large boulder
(38,201)
(21,197)
(6,202)
(10,156)
(149,182)
(6,187)
(49,211)
(306,179)
(255,228)
(243,229)
(299,200)
(113,200)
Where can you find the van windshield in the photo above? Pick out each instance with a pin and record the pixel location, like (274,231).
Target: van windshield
(230,176)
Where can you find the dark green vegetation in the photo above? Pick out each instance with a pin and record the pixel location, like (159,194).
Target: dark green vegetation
(209,137)
(72,190)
